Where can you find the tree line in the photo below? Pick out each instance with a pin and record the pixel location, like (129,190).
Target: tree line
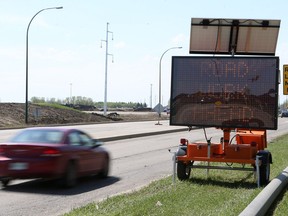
(85,101)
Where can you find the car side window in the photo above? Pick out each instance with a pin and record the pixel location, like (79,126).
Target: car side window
(85,140)
(74,139)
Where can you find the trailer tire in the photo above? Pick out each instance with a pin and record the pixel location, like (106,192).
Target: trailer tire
(183,170)
(264,169)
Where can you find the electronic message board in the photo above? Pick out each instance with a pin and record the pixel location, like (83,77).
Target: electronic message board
(226,92)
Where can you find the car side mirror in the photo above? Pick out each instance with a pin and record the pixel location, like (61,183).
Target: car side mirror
(97,143)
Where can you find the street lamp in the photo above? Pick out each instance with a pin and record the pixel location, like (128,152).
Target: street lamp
(159,105)
(26,96)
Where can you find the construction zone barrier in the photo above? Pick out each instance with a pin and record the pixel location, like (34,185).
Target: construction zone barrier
(261,204)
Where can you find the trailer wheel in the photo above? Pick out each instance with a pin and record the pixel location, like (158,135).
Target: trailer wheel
(264,169)
(183,170)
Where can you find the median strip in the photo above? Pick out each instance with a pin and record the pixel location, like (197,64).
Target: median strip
(130,136)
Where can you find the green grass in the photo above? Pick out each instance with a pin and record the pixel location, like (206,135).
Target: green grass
(57,106)
(223,193)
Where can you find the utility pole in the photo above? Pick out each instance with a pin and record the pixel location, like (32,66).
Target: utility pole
(106,66)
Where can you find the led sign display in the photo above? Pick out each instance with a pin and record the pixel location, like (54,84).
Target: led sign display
(227,92)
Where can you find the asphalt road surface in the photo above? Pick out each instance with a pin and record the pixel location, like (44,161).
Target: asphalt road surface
(135,163)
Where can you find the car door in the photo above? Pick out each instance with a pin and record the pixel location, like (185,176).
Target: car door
(88,158)
(93,156)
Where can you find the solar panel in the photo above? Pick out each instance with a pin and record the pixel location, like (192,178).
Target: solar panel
(234,36)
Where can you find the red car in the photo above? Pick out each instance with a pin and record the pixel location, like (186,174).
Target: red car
(52,153)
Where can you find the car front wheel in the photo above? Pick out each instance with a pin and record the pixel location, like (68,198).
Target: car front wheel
(105,169)
(70,176)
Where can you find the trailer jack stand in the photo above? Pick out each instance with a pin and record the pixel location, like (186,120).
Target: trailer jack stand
(174,159)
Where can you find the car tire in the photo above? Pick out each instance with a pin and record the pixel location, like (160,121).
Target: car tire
(5,182)
(105,169)
(70,176)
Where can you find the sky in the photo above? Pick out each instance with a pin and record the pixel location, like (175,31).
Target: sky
(65,57)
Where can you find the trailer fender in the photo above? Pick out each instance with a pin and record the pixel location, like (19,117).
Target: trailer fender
(181,151)
(266,156)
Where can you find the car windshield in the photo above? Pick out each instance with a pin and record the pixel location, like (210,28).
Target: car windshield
(38,136)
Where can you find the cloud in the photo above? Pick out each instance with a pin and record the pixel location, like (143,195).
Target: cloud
(9,19)
(12,53)
(178,39)
(120,45)
(50,53)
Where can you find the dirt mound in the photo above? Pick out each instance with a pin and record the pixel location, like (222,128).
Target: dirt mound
(13,115)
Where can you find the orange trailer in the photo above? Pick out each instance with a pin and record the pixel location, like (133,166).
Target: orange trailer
(236,94)
(249,149)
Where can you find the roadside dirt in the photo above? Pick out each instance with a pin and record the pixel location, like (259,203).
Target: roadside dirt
(13,115)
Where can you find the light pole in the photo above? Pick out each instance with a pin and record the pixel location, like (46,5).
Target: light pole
(26,95)
(159,105)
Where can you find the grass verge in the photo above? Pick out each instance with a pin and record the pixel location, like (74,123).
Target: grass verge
(57,106)
(223,193)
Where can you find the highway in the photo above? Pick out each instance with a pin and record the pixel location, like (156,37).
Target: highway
(135,163)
